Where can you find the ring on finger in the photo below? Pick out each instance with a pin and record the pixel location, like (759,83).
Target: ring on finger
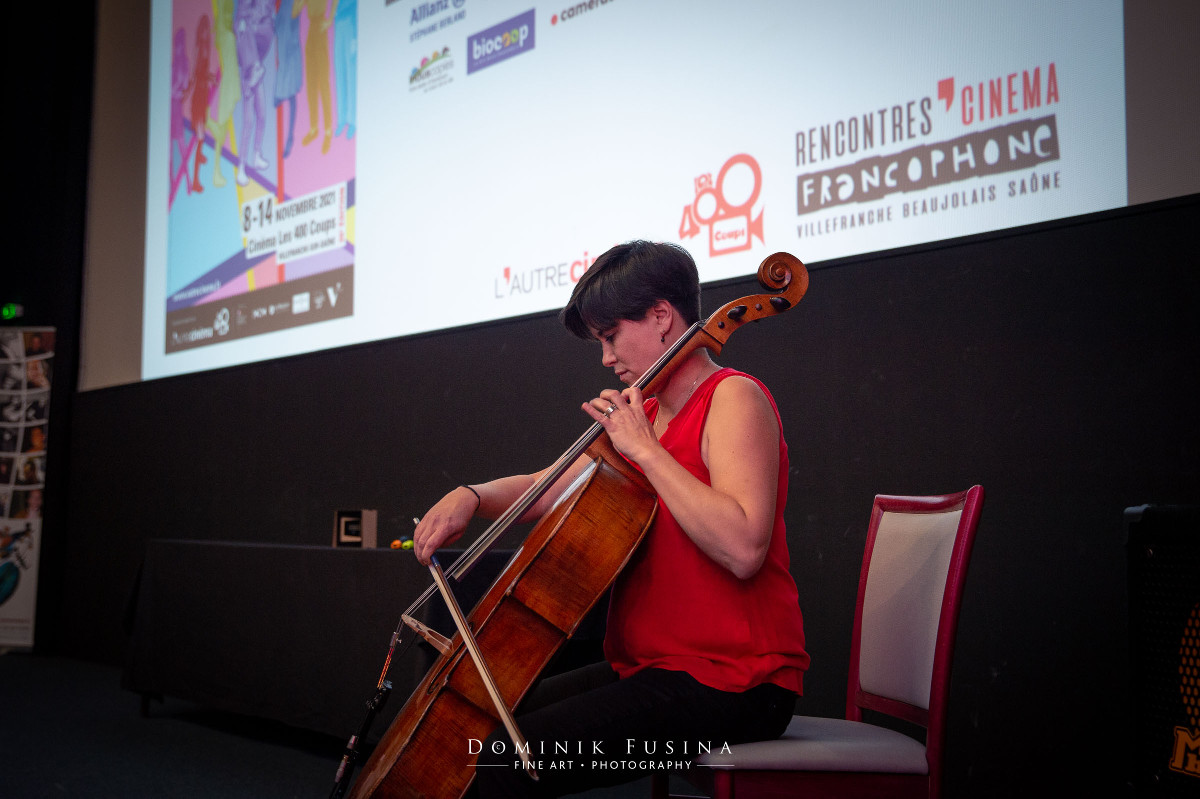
(609,411)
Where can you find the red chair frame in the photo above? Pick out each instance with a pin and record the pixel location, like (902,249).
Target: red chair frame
(771,783)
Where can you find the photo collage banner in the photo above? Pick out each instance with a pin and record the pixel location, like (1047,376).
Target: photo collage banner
(26,369)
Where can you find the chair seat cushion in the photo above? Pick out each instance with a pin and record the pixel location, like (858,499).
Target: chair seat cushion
(812,743)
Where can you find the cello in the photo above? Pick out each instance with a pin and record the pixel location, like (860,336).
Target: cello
(564,566)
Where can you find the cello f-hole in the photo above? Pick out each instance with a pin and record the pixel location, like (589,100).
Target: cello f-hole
(445,664)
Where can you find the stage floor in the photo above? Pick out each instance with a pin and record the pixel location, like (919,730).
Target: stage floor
(69,729)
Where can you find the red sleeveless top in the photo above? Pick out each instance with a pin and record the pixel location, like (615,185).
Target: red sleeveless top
(675,608)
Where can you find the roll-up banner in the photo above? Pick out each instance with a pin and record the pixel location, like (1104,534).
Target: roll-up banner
(26,371)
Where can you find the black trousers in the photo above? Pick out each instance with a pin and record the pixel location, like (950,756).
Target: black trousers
(587,728)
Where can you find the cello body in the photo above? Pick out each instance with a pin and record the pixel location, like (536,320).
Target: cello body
(564,566)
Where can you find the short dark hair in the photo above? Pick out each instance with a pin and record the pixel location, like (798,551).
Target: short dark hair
(626,281)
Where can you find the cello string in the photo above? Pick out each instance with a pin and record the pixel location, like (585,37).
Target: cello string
(466,561)
(535,492)
(470,556)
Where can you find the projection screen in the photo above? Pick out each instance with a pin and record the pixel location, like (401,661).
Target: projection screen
(321,173)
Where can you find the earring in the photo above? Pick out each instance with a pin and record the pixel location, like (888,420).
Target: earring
(663,338)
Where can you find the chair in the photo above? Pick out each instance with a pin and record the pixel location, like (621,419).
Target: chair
(909,592)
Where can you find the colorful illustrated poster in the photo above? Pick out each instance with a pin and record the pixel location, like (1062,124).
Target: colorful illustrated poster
(26,358)
(260,208)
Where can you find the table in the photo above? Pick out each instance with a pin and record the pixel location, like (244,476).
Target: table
(298,634)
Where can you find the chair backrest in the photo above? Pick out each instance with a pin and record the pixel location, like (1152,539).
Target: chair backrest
(909,592)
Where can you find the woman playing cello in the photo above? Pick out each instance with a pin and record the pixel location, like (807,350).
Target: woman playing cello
(704,644)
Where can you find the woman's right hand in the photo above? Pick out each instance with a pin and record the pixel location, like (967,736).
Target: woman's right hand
(444,523)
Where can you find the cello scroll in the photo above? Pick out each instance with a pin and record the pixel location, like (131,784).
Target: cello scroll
(783,275)
(785,279)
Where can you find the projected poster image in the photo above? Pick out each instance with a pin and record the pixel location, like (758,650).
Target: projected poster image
(260,207)
(504,148)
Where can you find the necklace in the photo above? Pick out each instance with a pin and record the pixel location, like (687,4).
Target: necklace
(658,417)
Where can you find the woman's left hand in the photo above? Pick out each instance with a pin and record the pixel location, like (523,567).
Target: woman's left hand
(623,418)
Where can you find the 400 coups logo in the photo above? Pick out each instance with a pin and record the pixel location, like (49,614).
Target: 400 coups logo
(1185,755)
(726,208)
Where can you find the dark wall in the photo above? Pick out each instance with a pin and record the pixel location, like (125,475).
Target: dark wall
(43,266)
(1055,365)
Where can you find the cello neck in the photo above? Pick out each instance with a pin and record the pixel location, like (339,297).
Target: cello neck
(461,567)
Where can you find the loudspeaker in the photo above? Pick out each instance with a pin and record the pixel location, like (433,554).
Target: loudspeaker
(1164,641)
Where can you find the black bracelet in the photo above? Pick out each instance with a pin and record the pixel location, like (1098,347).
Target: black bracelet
(478,499)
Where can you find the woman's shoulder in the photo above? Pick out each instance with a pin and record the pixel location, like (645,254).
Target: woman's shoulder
(732,383)
(738,392)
